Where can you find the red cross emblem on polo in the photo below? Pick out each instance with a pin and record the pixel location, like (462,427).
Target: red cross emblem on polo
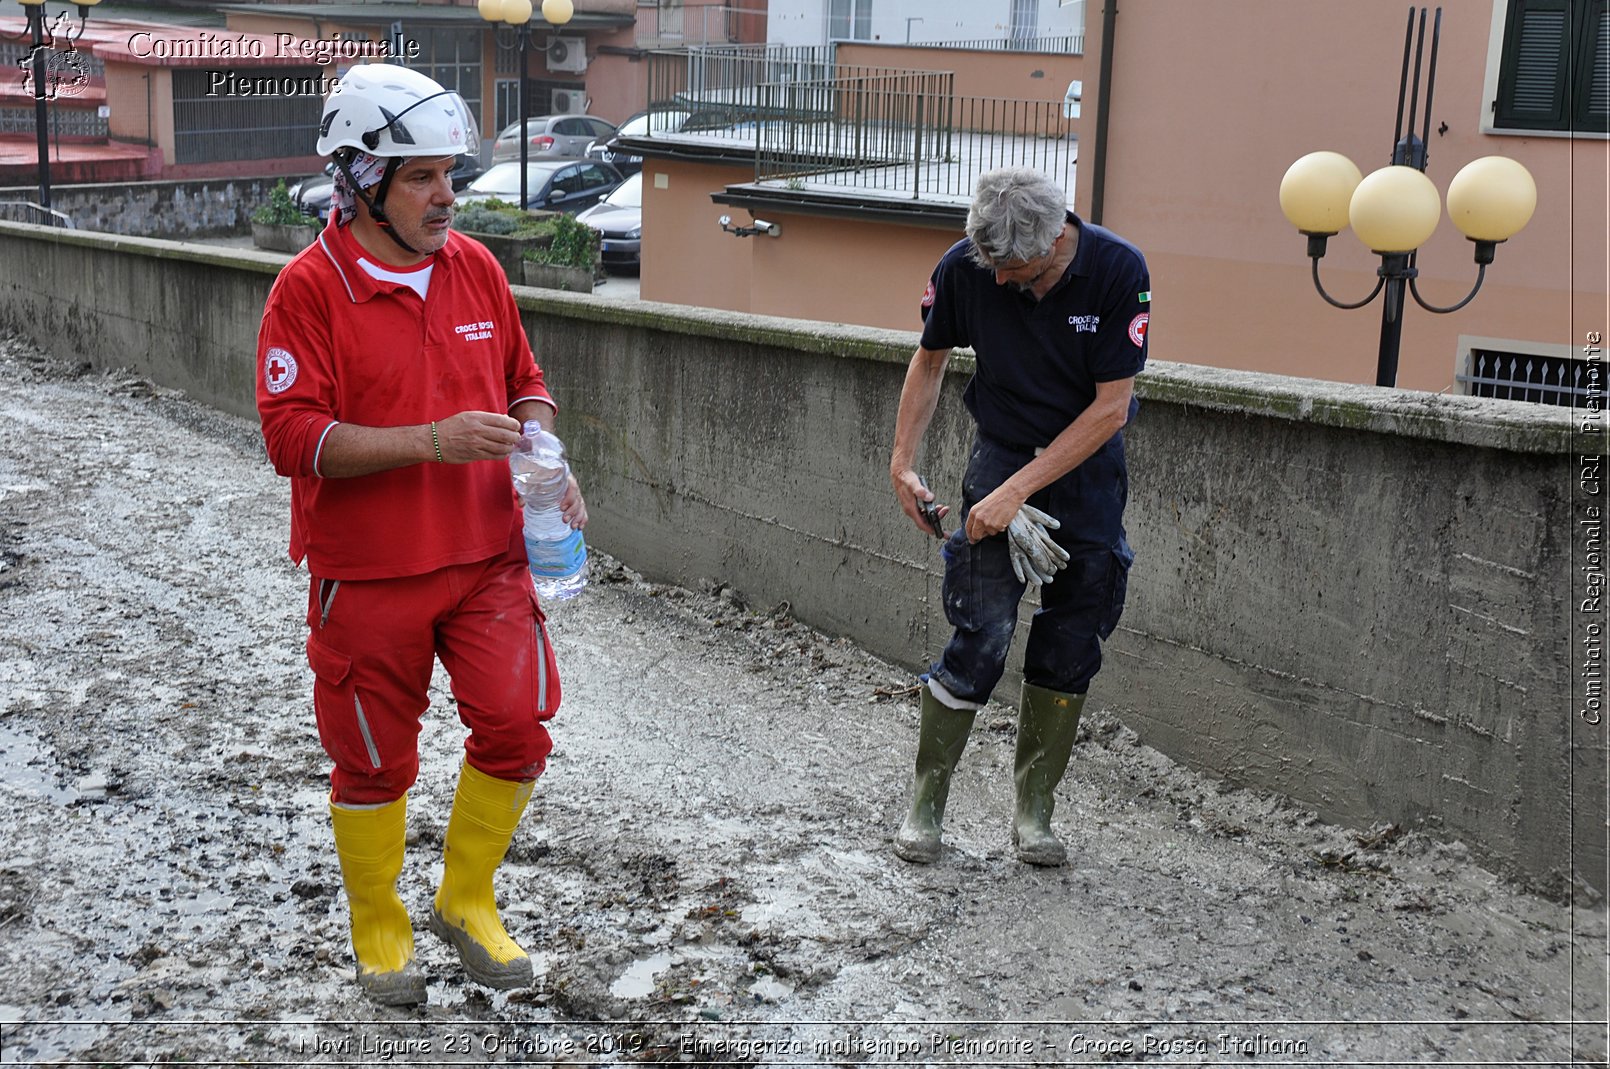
(279,370)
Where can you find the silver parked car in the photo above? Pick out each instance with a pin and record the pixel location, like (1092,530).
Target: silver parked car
(619,218)
(551,137)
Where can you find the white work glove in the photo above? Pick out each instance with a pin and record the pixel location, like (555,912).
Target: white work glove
(1036,559)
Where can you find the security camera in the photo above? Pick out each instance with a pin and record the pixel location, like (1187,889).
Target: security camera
(761,227)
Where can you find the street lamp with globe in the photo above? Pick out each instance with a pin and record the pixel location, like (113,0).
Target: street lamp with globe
(1395,210)
(517,14)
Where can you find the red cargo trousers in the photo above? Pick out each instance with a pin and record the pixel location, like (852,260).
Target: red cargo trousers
(372,644)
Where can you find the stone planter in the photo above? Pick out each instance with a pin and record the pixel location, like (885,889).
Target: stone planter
(509,250)
(282,238)
(554,277)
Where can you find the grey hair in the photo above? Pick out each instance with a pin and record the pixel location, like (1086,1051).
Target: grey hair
(1016,214)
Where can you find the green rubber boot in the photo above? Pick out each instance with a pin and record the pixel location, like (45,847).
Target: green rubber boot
(939,747)
(1047,722)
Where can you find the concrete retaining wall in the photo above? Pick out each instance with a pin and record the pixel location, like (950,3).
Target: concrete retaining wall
(1361,598)
(174,210)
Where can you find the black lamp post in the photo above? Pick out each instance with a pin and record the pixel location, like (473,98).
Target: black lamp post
(39,59)
(1395,210)
(517,13)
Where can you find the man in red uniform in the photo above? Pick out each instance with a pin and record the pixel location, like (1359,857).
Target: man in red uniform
(394,375)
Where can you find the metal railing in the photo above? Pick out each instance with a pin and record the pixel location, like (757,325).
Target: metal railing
(15,56)
(1067,44)
(728,77)
(819,125)
(908,136)
(64,121)
(1547,380)
(25,211)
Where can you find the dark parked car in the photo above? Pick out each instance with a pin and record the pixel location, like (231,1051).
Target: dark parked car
(312,195)
(553,137)
(557,185)
(608,149)
(619,218)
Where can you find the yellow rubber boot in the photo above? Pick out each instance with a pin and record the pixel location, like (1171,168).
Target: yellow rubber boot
(369,843)
(485,812)
(1048,722)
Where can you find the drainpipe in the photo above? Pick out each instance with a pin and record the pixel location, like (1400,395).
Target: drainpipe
(1098,184)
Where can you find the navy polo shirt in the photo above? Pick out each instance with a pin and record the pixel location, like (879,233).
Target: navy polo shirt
(1039,360)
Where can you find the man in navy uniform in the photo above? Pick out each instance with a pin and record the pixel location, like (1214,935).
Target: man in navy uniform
(1056,310)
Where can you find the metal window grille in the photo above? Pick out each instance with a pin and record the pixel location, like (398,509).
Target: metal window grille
(280,120)
(1547,380)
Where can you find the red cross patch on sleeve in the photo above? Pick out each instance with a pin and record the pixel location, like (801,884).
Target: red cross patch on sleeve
(1137,328)
(928,295)
(279,370)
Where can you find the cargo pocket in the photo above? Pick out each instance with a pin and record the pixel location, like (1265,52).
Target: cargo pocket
(338,707)
(544,665)
(1118,588)
(963,587)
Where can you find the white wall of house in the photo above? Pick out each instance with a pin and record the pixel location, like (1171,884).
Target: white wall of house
(806,22)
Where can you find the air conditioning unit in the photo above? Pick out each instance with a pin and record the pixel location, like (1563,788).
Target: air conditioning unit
(567,54)
(569,101)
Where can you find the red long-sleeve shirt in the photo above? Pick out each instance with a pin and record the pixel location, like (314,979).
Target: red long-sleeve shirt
(340,346)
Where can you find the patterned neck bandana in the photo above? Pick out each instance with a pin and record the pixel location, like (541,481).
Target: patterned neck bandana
(368,170)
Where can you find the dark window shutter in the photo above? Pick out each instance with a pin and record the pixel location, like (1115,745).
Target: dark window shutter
(1532,75)
(1592,110)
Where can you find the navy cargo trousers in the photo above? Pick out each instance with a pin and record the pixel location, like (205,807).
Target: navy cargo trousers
(1078,609)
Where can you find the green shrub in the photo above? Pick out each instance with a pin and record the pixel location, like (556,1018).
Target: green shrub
(281,211)
(574,244)
(496,217)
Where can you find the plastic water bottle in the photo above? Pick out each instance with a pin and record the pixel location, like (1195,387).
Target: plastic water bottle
(555,550)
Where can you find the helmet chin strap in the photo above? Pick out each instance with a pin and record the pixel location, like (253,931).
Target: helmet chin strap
(376,212)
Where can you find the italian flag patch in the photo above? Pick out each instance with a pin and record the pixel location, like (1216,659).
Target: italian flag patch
(1145,297)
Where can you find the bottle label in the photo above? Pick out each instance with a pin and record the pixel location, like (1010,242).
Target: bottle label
(558,559)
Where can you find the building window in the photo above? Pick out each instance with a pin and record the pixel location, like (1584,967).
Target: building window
(849,20)
(506,103)
(1554,70)
(453,58)
(1519,376)
(1025,20)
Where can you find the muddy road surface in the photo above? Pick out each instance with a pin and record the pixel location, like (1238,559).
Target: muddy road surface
(704,875)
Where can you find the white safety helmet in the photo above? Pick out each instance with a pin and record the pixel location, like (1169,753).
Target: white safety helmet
(391,111)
